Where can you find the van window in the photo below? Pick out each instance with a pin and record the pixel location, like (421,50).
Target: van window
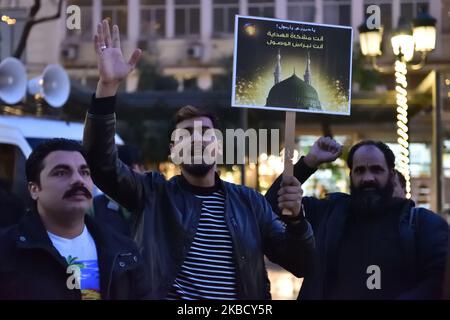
(7,160)
(12,171)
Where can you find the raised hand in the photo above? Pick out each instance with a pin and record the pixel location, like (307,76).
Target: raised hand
(325,149)
(111,64)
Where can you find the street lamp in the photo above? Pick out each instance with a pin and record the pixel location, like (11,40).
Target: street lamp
(405,42)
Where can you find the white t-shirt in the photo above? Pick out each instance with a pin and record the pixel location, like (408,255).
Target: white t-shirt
(81,251)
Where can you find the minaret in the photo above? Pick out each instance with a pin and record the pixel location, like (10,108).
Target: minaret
(307,75)
(277,73)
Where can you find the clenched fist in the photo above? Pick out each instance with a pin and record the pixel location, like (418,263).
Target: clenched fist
(325,149)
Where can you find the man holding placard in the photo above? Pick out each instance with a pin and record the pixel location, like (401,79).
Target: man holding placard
(371,243)
(201,237)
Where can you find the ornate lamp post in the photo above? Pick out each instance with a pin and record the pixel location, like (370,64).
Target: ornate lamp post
(405,42)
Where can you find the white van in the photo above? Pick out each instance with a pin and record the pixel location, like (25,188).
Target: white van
(18,137)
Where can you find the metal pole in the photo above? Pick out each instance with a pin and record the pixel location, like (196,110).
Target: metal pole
(244,121)
(436,158)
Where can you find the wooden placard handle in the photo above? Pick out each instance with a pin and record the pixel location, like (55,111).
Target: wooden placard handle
(289,141)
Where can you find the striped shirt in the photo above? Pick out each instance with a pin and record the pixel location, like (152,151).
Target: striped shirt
(208,271)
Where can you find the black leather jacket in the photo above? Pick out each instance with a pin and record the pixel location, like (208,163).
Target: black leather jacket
(167,214)
(32,269)
(423,238)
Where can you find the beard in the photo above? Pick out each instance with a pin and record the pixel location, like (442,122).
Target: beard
(198,163)
(197,170)
(370,199)
(197,166)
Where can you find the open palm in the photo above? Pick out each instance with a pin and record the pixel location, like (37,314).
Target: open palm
(111,64)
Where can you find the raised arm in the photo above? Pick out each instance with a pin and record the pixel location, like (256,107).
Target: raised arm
(108,172)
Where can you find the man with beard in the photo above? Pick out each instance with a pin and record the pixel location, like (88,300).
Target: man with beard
(370,244)
(56,251)
(201,237)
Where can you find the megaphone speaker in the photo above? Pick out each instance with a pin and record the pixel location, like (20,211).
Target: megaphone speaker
(13,80)
(53,85)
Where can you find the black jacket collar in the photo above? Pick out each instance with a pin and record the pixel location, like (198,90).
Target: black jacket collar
(110,244)
(201,190)
(32,233)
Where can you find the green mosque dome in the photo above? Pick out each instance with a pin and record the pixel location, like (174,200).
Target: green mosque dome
(293,92)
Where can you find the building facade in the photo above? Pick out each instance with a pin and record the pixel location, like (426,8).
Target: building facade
(190,39)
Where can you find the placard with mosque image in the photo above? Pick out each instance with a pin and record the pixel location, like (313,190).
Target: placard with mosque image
(292,66)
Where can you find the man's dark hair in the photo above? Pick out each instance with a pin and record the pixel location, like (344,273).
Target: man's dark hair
(189,112)
(35,162)
(388,154)
(401,178)
(130,155)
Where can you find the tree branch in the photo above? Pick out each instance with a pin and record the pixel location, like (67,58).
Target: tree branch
(31,22)
(35,8)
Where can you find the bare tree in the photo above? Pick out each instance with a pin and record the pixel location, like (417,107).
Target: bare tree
(31,22)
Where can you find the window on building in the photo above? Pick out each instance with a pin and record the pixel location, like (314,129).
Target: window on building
(446,160)
(187,17)
(337,12)
(301,10)
(153,19)
(446,90)
(116,12)
(385,11)
(190,84)
(410,8)
(445,16)
(10,34)
(261,8)
(223,16)
(420,158)
(87,20)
